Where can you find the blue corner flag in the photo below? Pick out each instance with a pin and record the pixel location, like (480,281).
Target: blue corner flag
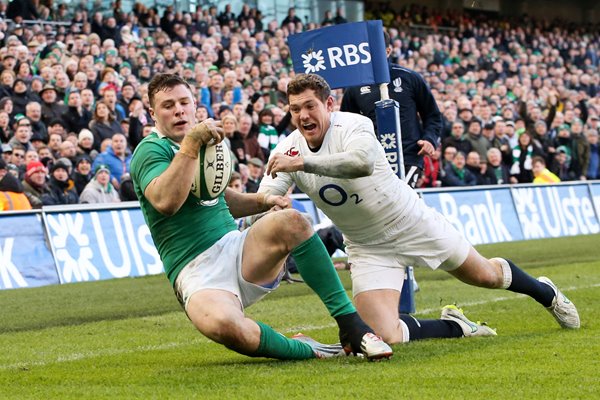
(344,55)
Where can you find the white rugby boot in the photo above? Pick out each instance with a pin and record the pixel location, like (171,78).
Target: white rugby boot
(469,328)
(374,348)
(563,311)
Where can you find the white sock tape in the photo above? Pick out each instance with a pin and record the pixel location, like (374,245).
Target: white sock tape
(405,331)
(506,272)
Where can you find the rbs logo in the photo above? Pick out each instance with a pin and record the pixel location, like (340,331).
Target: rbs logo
(344,56)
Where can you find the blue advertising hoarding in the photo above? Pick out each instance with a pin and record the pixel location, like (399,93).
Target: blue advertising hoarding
(555,211)
(102,244)
(77,243)
(25,258)
(482,216)
(595,194)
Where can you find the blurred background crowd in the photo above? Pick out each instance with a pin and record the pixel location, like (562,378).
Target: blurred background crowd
(520,97)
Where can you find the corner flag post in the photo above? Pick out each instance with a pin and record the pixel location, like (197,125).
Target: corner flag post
(387,112)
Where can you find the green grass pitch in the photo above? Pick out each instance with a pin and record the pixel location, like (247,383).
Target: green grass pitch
(128,338)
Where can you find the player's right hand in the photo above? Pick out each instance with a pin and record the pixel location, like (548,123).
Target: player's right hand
(277,203)
(282,163)
(208,131)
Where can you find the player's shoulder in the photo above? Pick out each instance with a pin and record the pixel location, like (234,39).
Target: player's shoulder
(153,144)
(290,144)
(154,141)
(348,119)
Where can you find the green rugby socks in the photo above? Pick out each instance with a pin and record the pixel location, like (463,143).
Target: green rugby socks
(315,266)
(275,345)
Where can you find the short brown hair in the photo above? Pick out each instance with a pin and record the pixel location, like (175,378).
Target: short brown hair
(538,159)
(313,82)
(164,81)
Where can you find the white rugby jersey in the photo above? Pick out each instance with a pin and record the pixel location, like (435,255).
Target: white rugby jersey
(362,208)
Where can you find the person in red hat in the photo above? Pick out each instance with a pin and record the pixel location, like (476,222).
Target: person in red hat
(35,183)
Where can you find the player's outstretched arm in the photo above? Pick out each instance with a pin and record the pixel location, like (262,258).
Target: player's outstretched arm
(245,204)
(357,161)
(353,163)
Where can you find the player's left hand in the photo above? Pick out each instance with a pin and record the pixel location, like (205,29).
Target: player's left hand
(282,163)
(426,148)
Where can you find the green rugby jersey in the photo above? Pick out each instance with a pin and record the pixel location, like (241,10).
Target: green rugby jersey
(194,228)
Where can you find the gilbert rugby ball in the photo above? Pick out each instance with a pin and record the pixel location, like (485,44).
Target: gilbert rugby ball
(213,171)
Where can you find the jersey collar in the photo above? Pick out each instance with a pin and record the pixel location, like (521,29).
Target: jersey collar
(174,144)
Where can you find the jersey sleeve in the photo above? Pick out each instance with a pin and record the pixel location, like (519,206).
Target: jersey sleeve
(360,132)
(281,183)
(149,161)
(428,110)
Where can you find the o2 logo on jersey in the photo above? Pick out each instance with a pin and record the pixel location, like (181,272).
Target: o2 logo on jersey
(336,196)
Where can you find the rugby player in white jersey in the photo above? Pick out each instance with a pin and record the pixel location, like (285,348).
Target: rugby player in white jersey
(336,160)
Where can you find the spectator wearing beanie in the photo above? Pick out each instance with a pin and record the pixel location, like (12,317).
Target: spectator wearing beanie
(20,96)
(61,190)
(99,189)
(82,173)
(11,191)
(85,144)
(6,152)
(51,108)
(34,184)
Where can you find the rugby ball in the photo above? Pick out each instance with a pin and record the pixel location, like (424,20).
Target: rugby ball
(212,172)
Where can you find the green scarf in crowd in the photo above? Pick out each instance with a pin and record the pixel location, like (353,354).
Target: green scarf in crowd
(516,153)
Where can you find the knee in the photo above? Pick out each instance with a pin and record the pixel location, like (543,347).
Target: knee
(224,330)
(490,276)
(295,227)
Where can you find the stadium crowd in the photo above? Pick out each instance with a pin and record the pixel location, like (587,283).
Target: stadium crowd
(520,97)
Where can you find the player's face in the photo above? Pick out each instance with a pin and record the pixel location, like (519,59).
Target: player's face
(311,116)
(174,112)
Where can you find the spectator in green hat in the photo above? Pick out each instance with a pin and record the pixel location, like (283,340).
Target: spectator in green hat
(99,189)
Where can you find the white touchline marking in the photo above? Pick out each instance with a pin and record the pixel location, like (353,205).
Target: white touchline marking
(201,339)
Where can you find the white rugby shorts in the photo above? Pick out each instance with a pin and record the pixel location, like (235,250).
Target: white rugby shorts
(421,238)
(220,267)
